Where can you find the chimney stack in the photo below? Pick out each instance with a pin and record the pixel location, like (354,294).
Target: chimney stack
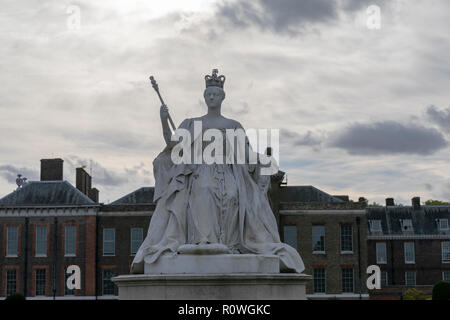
(415,203)
(52,169)
(84,184)
(390,202)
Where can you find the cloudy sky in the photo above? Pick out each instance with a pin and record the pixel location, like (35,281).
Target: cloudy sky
(362,111)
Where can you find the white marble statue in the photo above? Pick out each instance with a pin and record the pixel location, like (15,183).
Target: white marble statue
(223,207)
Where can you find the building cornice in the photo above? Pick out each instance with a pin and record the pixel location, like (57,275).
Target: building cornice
(409,236)
(331,212)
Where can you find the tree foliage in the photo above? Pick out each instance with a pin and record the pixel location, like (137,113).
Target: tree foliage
(414,294)
(432,202)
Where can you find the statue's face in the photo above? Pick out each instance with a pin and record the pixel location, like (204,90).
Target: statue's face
(214,96)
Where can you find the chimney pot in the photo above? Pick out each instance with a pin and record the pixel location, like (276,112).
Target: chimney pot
(415,203)
(390,202)
(52,169)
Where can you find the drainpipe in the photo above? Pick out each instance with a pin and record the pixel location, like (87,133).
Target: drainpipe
(25,264)
(55,254)
(96,256)
(358,223)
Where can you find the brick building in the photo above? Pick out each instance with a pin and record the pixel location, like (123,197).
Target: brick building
(410,244)
(48,225)
(45,226)
(324,229)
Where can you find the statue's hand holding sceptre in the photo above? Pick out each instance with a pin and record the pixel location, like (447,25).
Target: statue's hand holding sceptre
(167,133)
(164,114)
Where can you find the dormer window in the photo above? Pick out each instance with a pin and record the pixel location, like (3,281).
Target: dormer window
(443,224)
(375,226)
(406,225)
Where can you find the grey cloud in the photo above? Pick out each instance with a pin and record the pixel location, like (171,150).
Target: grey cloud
(10,172)
(282,16)
(352,5)
(101,175)
(296,139)
(439,117)
(286,16)
(389,137)
(429,187)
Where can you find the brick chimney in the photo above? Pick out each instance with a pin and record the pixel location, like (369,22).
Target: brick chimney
(84,184)
(415,203)
(390,202)
(52,169)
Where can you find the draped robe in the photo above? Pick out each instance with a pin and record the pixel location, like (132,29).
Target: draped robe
(212,203)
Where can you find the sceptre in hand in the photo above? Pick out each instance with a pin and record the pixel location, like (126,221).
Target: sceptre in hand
(155,86)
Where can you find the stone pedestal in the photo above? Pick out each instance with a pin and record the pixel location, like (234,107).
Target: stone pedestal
(217,264)
(210,272)
(237,286)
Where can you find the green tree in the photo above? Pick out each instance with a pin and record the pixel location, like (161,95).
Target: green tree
(414,294)
(15,297)
(432,202)
(441,291)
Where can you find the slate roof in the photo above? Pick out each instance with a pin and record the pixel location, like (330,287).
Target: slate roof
(305,194)
(424,220)
(44,193)
(287,194)
(139,196)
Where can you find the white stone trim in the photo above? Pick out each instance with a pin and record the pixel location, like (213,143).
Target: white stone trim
(48,211)
(409,236)
(300,212)
(339,296)
(125,213)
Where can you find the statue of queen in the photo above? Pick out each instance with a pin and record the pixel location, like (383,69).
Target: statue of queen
(221,204)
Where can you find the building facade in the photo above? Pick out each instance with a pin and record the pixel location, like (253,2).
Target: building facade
(49,225)
(331,239)
(410,244)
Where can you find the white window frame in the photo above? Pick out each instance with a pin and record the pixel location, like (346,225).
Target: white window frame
(325,280)
(8,281)
(37,241)
(387,278)
(8,254)
(131,240)
(446,228)
(341,242)
(446,278)
(374,223)
(113,242)
(443,245)
(66,242)
(415,278)
(342,280)
(318,251)
(413,261)
(103,282)
(407,223)
(36,282)
(381,245)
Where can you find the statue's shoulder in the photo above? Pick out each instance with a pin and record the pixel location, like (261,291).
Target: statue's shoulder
(234,124)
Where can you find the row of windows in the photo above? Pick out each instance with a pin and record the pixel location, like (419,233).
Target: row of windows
(347,280)
(318,238)
(70,239)
(40,282)
(407,226)
(109,240)
(409,252)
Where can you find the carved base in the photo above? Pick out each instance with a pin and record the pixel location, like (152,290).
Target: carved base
(284,286)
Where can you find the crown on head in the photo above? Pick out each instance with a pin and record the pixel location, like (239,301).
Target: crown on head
(214,80)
